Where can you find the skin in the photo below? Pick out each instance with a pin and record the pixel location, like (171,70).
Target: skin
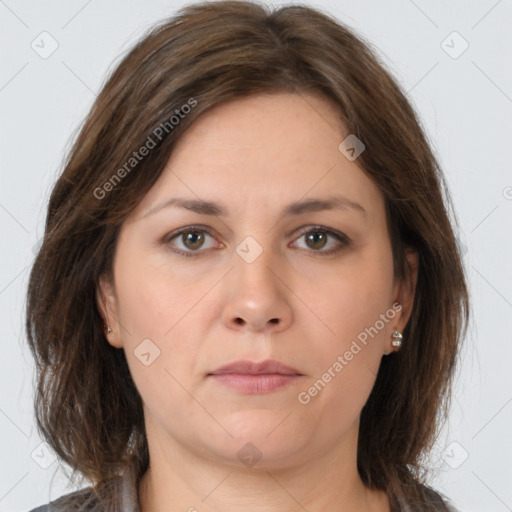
(293,303)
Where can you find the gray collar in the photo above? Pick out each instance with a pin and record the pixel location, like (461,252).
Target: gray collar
(129,490)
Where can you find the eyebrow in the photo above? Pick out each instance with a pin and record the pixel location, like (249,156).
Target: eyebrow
(297,208)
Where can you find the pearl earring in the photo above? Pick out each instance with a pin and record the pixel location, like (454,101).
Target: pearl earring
(397,338)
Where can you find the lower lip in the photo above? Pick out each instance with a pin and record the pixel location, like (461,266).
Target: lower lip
(252,384)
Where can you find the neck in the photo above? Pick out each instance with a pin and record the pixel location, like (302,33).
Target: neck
(186,481)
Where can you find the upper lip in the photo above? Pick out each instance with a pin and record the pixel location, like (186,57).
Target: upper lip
(253,368)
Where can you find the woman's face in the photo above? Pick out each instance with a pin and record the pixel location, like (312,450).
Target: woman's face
(264,272)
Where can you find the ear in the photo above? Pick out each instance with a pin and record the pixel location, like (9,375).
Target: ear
(404,292)
(107,307)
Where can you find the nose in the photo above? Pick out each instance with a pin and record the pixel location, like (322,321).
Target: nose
(257,296)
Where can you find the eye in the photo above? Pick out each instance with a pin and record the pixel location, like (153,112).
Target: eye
(317,238)
(191,238)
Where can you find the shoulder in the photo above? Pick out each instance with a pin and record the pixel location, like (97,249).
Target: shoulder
(82,500)
(118,494)
(447,503)
(438,499)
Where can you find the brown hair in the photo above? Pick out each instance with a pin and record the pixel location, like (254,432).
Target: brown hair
(87,406)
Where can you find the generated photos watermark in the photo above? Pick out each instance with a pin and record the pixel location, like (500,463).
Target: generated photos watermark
(158,134)
(304,397)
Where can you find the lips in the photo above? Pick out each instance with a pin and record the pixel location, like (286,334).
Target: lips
(250,378)
(270,366)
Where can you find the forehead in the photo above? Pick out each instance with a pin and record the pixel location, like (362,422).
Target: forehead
(263,150)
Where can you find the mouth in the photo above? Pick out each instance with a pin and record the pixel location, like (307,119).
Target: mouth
(249,377)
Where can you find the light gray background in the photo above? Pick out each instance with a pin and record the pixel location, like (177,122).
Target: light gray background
(466,107)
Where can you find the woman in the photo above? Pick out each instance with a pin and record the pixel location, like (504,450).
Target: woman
(249,293)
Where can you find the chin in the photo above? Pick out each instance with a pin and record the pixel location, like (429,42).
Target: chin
(256,443)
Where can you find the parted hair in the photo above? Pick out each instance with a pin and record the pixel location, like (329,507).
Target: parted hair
(86,404)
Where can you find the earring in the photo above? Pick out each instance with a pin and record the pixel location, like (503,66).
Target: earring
(109,330)
(397,338)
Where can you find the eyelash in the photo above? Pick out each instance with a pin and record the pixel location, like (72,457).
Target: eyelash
(341,237)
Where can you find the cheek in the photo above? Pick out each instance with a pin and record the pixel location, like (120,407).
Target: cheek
(158,337)
(155,314)
(152,298)
(351,297)
(347,361)
(350,302)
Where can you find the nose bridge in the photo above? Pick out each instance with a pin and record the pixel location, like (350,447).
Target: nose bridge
(257,298)
(255,263)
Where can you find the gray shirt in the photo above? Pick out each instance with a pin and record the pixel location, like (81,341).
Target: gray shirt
(124,499)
